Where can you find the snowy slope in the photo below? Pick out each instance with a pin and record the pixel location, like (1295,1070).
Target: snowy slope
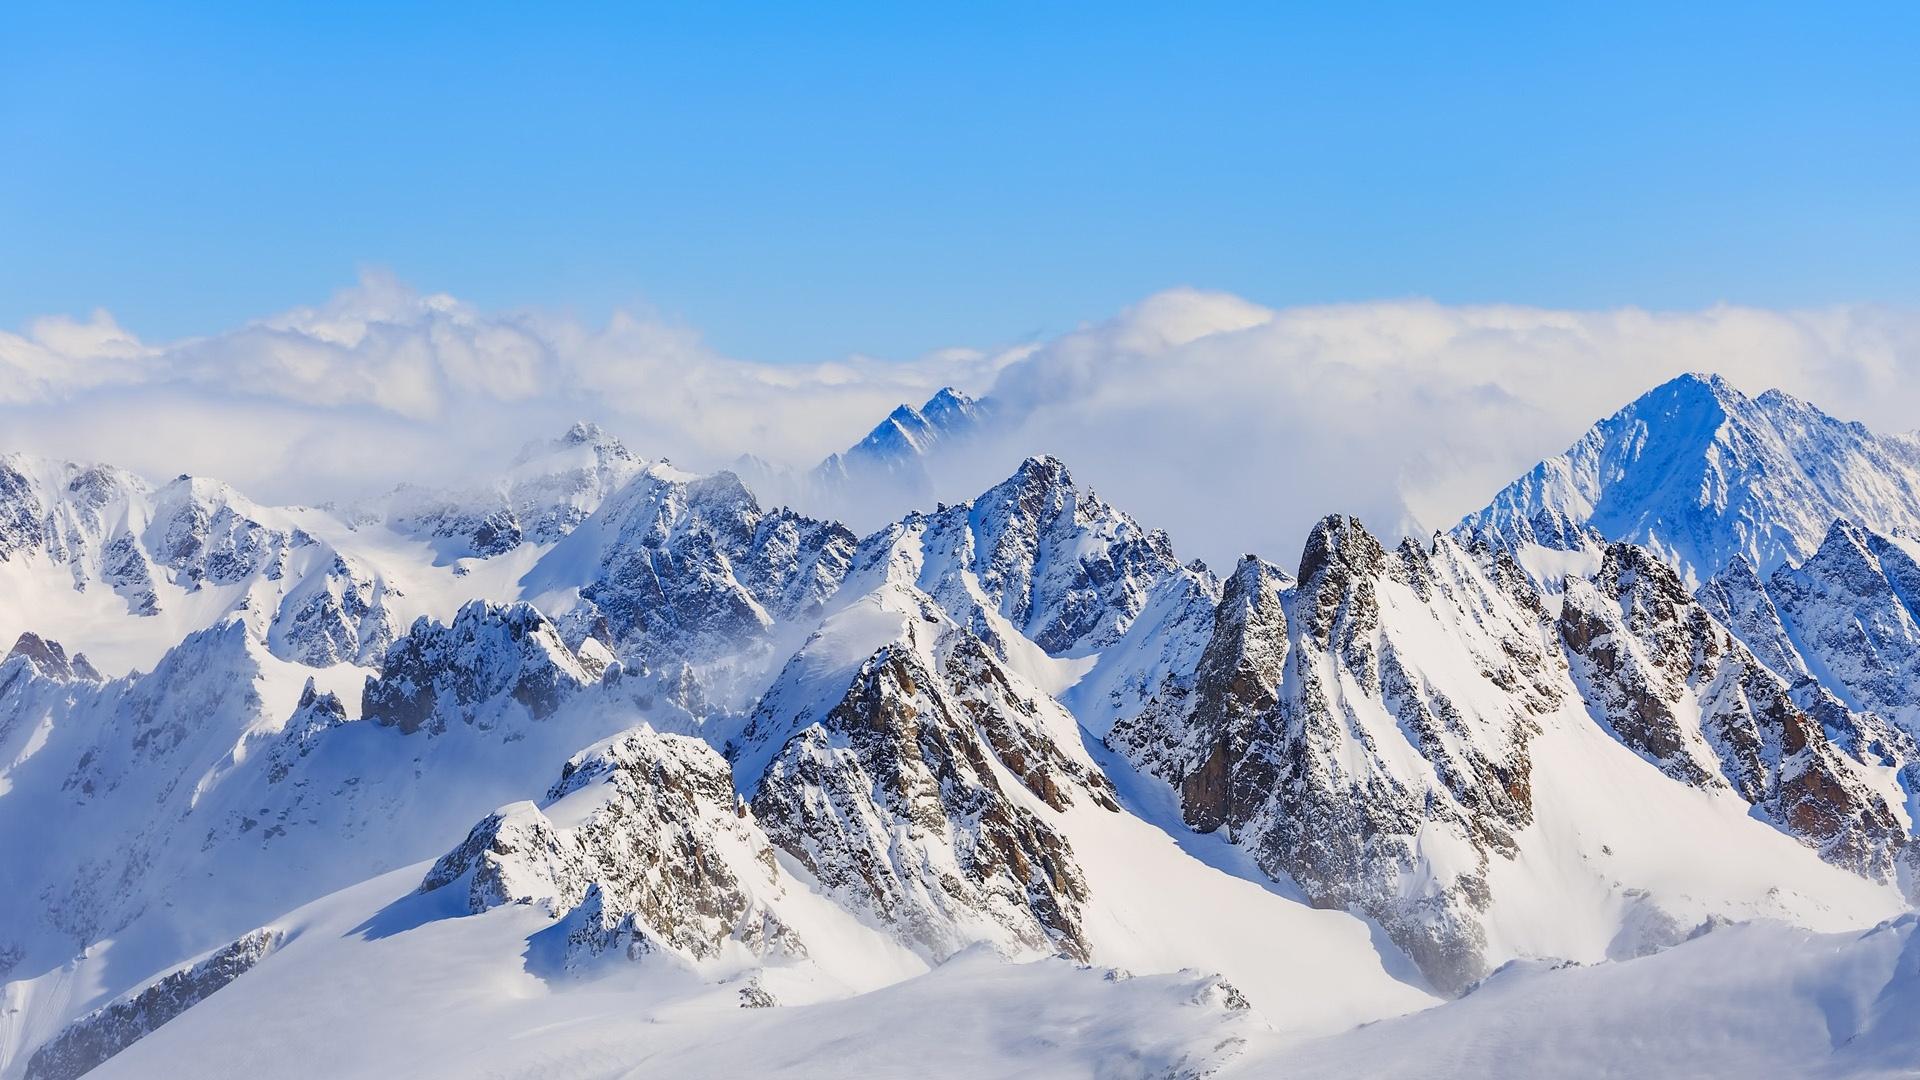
(493,1017)
(1413,734)
(1699,472)
(115,568)
(610,768)
(1759,1000)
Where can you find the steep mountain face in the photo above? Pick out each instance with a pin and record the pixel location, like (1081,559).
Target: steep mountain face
(120,797)
(96,774)
(1699,472)
(552,487)
(911,797)
(1035,559)
(675,569)
(1658,671)
(1194,732)
(657,854)
(85,518)
(187,555)
(50,660)
(1157,659)
(1368,731)
(895,452)
(935,789)
(1851,609)
(1365,733)
(1016,726)
(488,660)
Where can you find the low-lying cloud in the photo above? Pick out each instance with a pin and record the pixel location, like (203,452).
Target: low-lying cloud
(1232,425)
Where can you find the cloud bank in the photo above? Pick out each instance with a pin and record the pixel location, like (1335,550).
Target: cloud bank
(1231,424)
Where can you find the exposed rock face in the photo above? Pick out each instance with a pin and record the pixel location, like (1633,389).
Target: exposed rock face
(1677,687)
(1337,753)
(1738,598)
(310,603)
(1036,555)
(660,854)
(1699,472)
(923,794)
(689,568)
(94,1038)
(1369,731)
(1349,729)
(313,718)
(85,517)
(1204,734)
(490,659)
(50,660)
(333,618)
(1850,607)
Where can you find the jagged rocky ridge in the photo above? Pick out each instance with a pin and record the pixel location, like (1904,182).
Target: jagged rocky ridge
(1036,558)
(198,546)
(1847,617)
(489,659)
(1678,688)
(912,797)
(86,1043)
(1338,755)
(1340,726)
(894,455)
(677,572)
(1365,731)
(658,854)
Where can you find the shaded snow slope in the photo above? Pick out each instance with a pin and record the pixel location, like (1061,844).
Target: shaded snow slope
(1740,1002)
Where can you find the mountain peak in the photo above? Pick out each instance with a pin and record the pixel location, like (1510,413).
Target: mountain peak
(1339,538)
(1699,472)
(51,659)
(1043,469)
(949,409)
(895,451)
(584,431)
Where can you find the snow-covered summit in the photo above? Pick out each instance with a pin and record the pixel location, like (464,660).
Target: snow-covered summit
(900,443)
(553,485)
(801,767)
(1699,472)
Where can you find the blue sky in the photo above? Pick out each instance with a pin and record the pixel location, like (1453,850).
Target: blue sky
(801,185)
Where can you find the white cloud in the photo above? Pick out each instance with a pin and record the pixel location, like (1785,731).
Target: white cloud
(1233,425)
(1237,433)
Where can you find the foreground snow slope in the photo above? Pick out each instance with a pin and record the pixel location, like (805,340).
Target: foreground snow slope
(451,997)
(1741,1002)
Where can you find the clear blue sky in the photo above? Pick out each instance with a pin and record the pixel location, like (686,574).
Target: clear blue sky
(890,180)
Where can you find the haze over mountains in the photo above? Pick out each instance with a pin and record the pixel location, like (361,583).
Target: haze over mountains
(1405,414)
(611,765)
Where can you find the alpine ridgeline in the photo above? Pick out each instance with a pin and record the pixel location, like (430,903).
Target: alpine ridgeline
(603,731)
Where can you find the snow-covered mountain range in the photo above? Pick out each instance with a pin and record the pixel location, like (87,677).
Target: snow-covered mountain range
(608,768)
